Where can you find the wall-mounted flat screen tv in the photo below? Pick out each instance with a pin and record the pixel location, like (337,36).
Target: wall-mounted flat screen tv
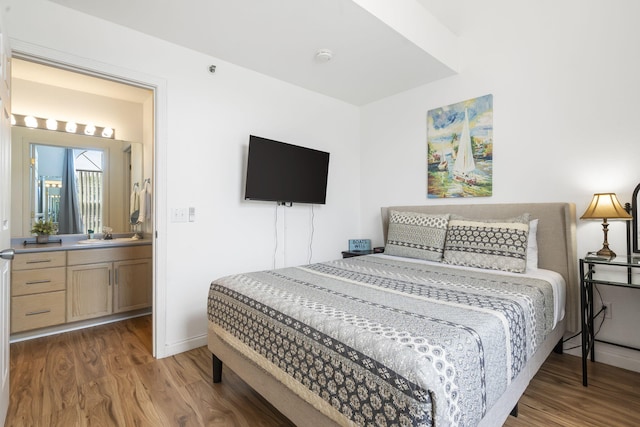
(285,173)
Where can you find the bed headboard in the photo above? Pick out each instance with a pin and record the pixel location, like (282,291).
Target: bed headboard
(556,237)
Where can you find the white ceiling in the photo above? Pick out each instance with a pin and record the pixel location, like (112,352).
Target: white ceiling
(380,47)
(39,73)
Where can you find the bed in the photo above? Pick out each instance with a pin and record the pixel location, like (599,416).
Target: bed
(399,339)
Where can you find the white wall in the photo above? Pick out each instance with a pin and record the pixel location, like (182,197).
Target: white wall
(204,136)
(564,76)
(564,80)
(40,100)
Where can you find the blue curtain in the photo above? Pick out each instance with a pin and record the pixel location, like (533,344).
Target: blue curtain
(70,219)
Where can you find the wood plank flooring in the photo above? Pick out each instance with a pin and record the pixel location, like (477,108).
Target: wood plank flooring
(106,376)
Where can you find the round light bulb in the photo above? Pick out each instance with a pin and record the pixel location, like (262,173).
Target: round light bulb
(107,132)
(71,127)
(31,122)
(52,124)
(89,129)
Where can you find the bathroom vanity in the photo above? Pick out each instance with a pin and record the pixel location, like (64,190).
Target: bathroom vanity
(74,284)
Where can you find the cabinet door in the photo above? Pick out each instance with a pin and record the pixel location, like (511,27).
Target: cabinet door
(89,291)
(132,285)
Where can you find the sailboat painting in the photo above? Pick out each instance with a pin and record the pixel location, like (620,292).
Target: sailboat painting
(460,149)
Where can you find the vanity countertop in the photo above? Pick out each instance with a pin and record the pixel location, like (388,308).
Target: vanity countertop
(74,242)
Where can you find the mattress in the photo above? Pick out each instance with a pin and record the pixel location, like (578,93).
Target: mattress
(379,340)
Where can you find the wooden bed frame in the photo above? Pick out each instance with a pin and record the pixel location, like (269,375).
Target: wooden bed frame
(557,252)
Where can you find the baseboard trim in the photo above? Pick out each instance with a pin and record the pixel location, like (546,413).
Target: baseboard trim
(68,327)
(619,357)
(171,349)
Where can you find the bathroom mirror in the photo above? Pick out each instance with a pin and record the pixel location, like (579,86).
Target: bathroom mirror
(105,172)
(67,187)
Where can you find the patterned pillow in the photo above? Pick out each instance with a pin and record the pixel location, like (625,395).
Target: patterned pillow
(416,235)
(492,244)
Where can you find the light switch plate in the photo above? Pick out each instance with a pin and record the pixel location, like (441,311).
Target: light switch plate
(179,214)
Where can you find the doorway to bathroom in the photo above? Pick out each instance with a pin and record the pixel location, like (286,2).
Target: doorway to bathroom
(52,92)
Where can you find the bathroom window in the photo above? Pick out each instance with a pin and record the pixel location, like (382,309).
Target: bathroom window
(90,183)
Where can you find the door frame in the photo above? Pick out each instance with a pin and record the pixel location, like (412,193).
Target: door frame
(158,85)
(5,220)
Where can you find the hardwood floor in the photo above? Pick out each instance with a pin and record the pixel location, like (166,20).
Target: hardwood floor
(556,396)
(106,376)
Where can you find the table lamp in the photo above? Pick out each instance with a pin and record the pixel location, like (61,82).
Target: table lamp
(605,206)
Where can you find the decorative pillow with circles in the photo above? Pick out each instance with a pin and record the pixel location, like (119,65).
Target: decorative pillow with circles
(491,244)
(416,235)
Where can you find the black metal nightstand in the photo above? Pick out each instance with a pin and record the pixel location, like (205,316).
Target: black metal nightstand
(587,270)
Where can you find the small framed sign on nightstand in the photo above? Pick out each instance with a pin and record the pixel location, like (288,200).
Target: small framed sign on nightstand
(359,245)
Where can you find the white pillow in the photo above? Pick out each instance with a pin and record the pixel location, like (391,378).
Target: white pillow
(532,245)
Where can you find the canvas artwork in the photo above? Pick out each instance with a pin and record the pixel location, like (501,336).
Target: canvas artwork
(460,149)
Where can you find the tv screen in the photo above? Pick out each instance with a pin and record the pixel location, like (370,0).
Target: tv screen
(285,173)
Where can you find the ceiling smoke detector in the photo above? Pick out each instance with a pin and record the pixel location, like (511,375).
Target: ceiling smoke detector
(324,55)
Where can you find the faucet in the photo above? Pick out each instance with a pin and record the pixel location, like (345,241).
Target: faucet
(106,233)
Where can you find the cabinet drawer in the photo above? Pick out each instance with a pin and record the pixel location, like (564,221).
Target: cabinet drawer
(121,253)
(25,282)
(37,311)
(32,260)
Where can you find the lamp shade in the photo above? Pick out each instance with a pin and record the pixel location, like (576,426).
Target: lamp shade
(605,206)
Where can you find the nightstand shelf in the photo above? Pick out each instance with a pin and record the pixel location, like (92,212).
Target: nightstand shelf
(587,280)
(349,254)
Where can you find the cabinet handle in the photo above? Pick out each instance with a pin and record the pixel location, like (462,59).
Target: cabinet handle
(38,261)
(33,313)
(37,282)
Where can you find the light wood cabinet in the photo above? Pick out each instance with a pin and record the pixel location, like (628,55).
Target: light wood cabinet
(38,288)
(120,282)
(27,282)
(57,287)
(122,253)
(132,288)
(34,260)
(37,311)
(89,291)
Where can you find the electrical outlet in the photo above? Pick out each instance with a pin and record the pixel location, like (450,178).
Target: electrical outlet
(608,313)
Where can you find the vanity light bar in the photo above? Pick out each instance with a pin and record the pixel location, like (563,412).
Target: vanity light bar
(62,126)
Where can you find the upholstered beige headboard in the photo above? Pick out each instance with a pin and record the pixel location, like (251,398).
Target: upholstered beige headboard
(556,237)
